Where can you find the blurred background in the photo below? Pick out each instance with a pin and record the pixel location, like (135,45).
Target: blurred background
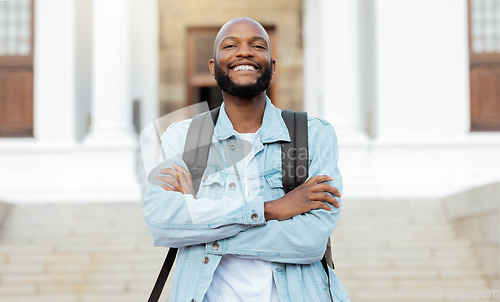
(411,86)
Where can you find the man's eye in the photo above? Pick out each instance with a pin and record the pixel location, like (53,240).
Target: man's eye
(228,46)
(259,46)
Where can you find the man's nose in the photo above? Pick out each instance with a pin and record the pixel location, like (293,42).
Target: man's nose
(245,50)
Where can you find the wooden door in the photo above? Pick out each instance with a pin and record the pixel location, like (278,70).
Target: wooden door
(16,68)
(484,53)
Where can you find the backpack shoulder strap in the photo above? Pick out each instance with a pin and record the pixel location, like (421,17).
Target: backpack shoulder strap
(198,140)
(295,154)
(295,163)
(163,275)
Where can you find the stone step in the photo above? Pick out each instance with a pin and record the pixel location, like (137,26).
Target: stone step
(363,285)
(415,264)
(394,218)
(402,237)
(119,247)
(411,295)
(99,268)
(103,252)
(404,274)
(458,255)
(76,229)
(391,284)
(56,261)
(14,239)
(67,279)
(145,257)
(390,244)
(93,297)
(407,227)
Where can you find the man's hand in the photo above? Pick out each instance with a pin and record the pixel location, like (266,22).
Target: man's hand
(177,180)
(308,196)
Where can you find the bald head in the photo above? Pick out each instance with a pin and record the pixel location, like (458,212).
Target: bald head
(238,26)
(242,64)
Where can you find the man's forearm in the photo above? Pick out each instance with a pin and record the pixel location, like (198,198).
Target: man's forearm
(176,219)
(301,239)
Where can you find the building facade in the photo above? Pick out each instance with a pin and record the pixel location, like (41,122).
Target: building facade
(409,85)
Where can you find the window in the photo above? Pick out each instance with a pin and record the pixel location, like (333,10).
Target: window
(484,53)
(16,68)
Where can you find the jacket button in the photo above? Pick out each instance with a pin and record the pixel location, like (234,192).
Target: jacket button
(254,217)
(232,146)
(215,246)
(193,300)
(232,186)
(206,260)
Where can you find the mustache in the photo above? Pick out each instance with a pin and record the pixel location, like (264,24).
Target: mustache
(229,64)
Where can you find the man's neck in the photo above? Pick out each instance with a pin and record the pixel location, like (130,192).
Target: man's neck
(245,114)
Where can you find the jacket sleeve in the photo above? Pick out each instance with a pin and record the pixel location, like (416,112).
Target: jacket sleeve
(176,220)
(303,238)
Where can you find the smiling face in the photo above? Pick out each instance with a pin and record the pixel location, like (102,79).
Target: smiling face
(242,63)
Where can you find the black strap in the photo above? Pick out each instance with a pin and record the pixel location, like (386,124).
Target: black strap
(163,275)
(294,154)
(197,146)
(195,156)
(325,266)
(295,166)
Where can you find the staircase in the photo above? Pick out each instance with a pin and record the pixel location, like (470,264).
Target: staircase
(102,252)
(403,250)
(77,253)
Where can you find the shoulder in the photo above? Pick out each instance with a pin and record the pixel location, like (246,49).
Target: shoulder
(318,125)
(180,126)
(176,132)
(321,135)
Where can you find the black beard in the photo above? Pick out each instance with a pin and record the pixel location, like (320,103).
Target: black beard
(243,91)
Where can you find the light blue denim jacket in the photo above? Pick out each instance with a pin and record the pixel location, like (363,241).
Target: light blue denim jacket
(224,220)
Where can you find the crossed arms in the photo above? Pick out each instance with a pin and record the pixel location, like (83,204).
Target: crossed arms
(291,229)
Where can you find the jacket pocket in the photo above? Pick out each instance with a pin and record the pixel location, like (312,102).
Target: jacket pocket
(275,184)
(212,185)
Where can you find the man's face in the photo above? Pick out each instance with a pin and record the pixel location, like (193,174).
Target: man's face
(242,65)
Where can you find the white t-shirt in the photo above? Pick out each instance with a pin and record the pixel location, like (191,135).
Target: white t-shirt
(243,279)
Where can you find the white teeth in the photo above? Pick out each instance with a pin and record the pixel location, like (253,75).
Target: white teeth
(244,67)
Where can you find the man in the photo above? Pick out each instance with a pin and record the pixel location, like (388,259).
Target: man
(241,238)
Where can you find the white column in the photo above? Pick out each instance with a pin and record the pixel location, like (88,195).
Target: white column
(145,53)
(339,67)
(111,93)
(109,157)
(54,72)
(312,51)
(422,70)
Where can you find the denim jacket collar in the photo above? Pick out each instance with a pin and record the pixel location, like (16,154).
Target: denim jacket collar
(273,127)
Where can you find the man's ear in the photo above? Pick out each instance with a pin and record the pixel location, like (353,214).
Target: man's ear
(273,65)
(211,66)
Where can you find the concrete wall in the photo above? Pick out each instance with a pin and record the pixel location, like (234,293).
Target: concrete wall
(476,215)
